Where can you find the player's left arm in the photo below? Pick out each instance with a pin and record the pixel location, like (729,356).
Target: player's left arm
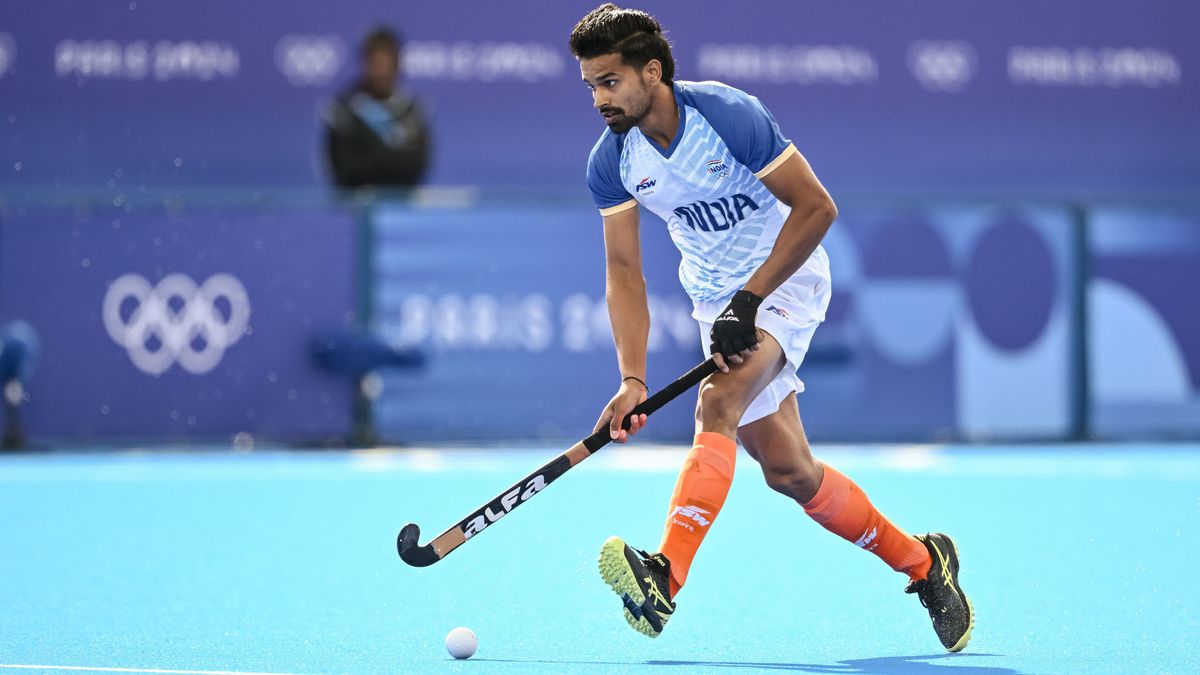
(813,211)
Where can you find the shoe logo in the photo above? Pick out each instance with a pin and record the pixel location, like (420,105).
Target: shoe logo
(653,593)
(865,540)
(694,514)
(945,564)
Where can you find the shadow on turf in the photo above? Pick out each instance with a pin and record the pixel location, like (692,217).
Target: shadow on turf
(912,665)
(883,664)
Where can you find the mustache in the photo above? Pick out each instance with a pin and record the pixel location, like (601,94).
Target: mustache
(616,111)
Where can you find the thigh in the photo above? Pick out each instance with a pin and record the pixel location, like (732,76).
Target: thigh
(777,441)
(739,387)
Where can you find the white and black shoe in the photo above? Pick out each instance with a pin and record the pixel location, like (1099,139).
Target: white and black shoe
(643,582)
(952,614)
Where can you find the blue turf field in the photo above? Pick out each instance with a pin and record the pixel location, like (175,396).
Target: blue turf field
(1078,559)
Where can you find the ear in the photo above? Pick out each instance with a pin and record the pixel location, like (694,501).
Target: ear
(652,71)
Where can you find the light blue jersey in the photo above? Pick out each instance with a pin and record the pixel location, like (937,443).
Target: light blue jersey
(707,185)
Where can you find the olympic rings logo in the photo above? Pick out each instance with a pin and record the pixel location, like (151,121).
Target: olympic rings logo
(310,60)
(176,321)
(943,65)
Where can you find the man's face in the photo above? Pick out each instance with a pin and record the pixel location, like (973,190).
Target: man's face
(620,92)
(380,68)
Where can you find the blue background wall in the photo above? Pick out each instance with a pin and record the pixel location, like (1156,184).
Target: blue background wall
(114,366)
(937,95)
(1015,258)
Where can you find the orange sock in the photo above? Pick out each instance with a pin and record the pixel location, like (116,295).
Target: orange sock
(842,507)
(700,492)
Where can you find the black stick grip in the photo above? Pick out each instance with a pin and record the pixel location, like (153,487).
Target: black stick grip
(660,398)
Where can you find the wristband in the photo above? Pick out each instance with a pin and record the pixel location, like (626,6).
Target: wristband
(636,379)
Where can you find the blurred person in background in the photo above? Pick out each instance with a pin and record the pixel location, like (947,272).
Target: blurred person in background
(376,132)
(19,349)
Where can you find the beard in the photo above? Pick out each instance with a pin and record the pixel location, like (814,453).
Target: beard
(622,121)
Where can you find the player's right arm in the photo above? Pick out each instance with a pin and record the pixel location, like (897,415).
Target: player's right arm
(624,285)
(629,313)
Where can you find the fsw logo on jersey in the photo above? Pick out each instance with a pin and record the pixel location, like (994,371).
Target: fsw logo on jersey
(644,184)
(681,516)
(778,310)
(717,216)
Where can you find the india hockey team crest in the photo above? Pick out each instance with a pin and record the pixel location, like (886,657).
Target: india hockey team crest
(718,167)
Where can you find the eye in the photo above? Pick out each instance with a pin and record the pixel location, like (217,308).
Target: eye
(610,83)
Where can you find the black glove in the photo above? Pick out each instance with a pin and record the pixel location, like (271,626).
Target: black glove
(733,331)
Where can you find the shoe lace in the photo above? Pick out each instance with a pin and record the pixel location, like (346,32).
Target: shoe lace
(921,588)
(656,564)
(651,559)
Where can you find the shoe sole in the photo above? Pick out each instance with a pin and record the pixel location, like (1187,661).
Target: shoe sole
(619,576)
(966,637)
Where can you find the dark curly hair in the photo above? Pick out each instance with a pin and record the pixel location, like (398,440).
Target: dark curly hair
(632,33)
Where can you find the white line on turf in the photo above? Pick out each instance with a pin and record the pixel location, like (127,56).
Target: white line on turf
(95,669)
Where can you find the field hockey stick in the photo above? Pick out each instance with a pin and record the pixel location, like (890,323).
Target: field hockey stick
(422,556)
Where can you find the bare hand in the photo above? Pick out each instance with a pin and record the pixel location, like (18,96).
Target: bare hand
(628,396)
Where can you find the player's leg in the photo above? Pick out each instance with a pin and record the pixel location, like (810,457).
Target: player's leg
(647,583)
(707,472)
(779,444)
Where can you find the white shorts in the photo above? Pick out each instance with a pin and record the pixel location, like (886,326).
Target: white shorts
(791,315)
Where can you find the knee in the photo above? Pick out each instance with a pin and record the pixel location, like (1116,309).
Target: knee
(717,408)
(797,478)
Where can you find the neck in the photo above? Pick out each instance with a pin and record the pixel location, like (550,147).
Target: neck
(377,93)
(662,121)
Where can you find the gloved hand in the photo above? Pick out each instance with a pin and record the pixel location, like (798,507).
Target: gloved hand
(733,332)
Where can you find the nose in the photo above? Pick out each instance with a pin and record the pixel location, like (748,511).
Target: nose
(598,99)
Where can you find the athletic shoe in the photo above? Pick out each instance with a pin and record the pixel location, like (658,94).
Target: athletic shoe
(952,614)
(643,583)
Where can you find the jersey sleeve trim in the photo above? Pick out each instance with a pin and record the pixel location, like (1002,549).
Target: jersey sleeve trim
(625,206)
(777,162)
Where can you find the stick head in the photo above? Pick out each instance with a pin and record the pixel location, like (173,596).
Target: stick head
(411,551)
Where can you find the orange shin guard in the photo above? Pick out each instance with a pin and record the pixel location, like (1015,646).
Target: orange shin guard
(841,507)
(700,492)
